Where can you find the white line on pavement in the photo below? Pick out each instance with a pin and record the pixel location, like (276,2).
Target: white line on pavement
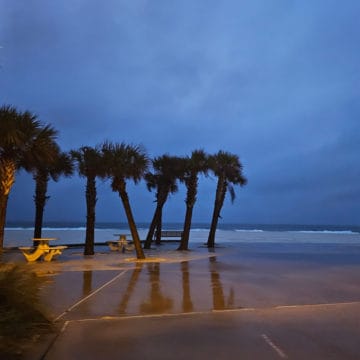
(317,305)
(91,294)
(276,348)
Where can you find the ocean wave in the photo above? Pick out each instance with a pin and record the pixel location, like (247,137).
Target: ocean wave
(326,232)
(81,228)
(198,228)
(18,228)
(47,228)
(248,230)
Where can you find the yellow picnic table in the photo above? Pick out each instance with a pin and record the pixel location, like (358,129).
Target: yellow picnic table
(42,249)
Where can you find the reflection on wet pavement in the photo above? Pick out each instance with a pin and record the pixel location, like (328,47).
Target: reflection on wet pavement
(130,288)
(217,289)
(144,288)
(198,281)
(156,303)
(187,305)
(87,282)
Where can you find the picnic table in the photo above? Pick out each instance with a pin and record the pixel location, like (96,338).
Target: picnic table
(42,249)
(120,244)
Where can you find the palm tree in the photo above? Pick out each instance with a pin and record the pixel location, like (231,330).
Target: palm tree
(23,138)
(89,165)
(228,169)
(125,162)
(42,173)
(167,170)
(197,163)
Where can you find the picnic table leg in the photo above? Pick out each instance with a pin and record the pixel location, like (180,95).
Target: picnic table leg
(51,254)
(33,256)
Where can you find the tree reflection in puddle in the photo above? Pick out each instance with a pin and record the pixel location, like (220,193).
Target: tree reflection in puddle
(157,302)
(187,305)
(87,282)
(130,288)
(219,302)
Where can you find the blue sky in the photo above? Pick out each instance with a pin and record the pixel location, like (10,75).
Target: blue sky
(276,82)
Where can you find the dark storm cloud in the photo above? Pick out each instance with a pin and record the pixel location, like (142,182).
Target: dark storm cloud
(275,82)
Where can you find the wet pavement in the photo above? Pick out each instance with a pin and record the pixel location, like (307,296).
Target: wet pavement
(309,332)
(241,301)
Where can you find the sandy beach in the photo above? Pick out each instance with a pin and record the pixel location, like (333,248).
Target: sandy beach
(249,300)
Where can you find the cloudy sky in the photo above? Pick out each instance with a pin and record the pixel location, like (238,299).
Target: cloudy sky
(276,82)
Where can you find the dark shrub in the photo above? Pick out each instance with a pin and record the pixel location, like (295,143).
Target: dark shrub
(22,316)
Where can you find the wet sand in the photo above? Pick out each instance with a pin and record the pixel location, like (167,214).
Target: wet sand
(256,301)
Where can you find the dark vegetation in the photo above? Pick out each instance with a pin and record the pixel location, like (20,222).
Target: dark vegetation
(22,317)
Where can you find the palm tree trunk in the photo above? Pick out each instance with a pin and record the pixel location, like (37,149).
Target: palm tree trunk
(184,243)
(40,199)
(159,228)
(7,179)
(161,200)
(219,200)
(213,226)
(190,202)
(152,227)
(3,205)
(90,215)
(132,225)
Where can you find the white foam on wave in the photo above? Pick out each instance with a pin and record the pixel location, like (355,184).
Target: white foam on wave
(248,230)
(326,232)
(64,228)
(18,228)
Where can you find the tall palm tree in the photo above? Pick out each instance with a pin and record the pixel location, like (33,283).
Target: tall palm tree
(228,169)
(23,138)
(42,173)
(167,170)
(89,165)
(124,162)
(197,163)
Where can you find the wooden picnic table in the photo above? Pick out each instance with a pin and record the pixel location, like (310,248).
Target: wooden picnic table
(42,249)
(120,244)
(122,236)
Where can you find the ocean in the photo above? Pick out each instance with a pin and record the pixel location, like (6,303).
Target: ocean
(21,233)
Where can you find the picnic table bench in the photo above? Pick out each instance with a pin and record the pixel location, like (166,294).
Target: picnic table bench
(169,234)
(43,249)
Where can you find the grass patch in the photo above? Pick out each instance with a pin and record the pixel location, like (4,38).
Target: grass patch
(22,316)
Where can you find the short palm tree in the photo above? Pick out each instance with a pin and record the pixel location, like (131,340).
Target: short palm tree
(23,138)
(89,165)
(124,162)
(42,173)
(228,169)
(197,163)
(164,179)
